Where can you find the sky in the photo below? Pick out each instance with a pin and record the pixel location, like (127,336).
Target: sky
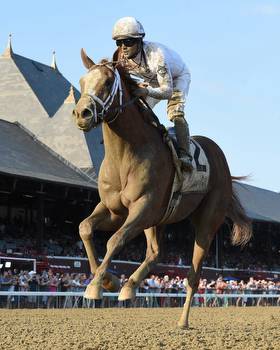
(231,48)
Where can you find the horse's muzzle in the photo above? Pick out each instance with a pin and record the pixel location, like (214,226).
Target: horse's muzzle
(84,119)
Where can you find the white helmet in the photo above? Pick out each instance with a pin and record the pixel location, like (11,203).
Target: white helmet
(128,27)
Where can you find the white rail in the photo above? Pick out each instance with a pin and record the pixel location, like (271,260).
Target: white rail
(151,295)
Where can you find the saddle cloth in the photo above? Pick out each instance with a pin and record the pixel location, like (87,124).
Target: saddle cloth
(196,180)
(185,182)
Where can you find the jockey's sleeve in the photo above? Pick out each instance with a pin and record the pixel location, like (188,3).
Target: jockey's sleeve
(165,81)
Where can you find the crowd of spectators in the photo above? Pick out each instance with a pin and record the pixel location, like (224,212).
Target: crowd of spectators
(18,238)
(48,281)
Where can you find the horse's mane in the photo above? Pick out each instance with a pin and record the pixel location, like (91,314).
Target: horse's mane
(104,61)
(119,64)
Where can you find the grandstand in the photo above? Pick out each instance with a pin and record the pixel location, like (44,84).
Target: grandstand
(47,188)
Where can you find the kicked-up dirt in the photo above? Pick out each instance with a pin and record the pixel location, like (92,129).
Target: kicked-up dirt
(151,329)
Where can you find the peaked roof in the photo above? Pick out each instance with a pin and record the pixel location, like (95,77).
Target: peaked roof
(23,155)
(48,84)
(42,100)
(259,204)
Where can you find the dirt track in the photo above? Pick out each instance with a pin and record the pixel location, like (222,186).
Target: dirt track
(98,329)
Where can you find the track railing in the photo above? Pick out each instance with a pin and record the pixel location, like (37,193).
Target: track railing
(22,299)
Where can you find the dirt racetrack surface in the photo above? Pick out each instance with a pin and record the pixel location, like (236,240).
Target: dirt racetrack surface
(103,329)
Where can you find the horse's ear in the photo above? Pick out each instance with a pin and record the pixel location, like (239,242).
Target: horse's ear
(88,62)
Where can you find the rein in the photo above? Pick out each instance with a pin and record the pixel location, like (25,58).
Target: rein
(119,109)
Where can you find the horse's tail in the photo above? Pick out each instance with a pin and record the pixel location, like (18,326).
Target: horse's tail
(242,226)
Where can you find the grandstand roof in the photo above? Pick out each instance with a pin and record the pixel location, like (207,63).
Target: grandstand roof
(25,78)
(22,154)
(42,100)
(260,204)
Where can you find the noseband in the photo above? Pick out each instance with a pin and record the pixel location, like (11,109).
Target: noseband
(105,105)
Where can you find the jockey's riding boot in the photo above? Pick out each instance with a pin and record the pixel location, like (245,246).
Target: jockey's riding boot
(183,141)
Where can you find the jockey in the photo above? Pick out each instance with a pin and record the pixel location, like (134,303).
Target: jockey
(164,76)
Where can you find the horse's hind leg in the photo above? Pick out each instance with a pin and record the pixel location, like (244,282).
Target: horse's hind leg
(101,219)
(207,219)
(153,235)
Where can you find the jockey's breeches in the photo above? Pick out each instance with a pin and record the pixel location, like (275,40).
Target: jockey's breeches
(176,104)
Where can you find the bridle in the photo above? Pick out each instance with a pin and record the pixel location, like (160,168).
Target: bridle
(105,105)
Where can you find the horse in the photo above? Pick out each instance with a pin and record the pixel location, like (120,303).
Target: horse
(135,181)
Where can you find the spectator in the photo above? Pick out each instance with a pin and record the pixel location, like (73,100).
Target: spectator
(65,286)
(33,286)
(53,286)
(12,301)
(123,280)
(220,287)
(251,289)
(44,282)
(201,290)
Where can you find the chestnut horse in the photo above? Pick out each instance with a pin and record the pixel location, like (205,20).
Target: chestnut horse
(135,182)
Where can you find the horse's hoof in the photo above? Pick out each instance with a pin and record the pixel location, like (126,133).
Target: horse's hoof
(127,293)
(183,325)
(112,284)
(93,291)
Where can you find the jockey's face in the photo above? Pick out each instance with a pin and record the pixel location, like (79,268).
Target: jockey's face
(130,46)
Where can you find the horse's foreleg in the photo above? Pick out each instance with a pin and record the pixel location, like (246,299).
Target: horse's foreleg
(139,215)
(101,219)
(153,235)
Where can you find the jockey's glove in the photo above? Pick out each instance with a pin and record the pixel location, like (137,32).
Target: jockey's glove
(140,92)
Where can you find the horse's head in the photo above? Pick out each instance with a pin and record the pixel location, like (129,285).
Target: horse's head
(99,88)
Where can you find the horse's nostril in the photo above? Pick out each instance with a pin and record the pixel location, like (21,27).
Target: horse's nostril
(86,113)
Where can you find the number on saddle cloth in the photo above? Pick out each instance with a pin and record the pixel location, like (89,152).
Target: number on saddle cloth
(196,153)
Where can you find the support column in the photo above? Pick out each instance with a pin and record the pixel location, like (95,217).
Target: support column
(40,220)
(217,265)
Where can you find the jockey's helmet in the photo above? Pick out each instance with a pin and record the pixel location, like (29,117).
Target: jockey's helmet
(128,27)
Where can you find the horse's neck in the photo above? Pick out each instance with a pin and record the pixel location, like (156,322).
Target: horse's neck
(129,133)
(128,130)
